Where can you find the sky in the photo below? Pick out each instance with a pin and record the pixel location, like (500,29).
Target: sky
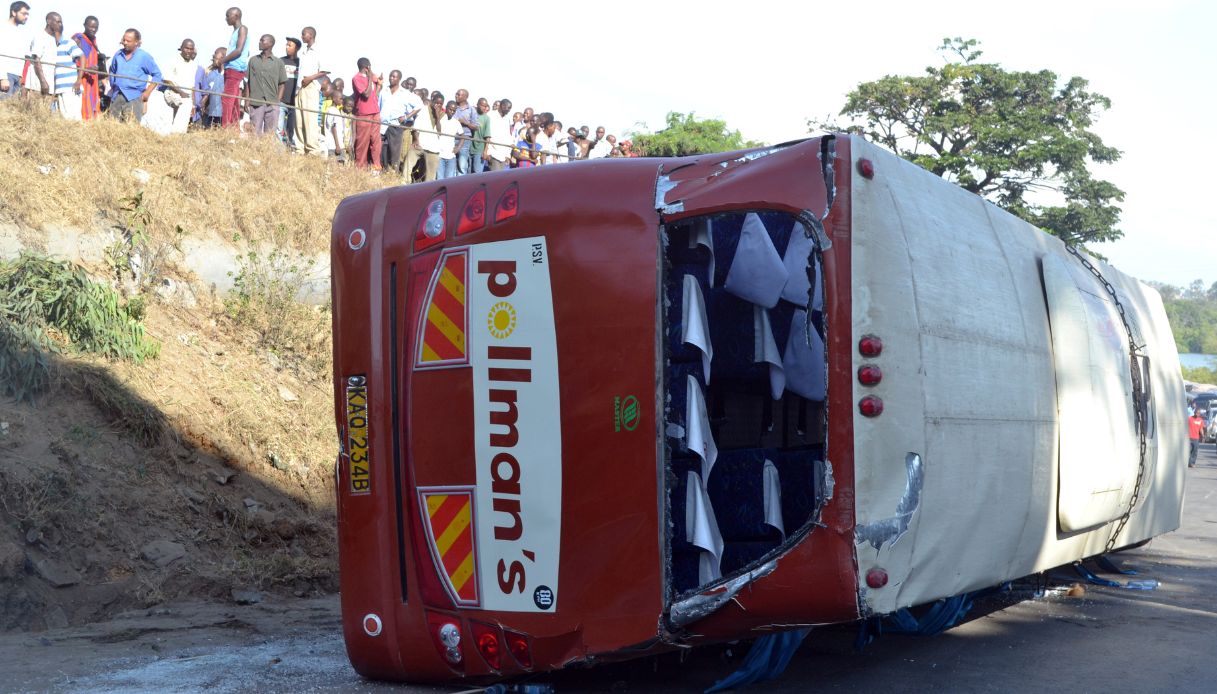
(767,66)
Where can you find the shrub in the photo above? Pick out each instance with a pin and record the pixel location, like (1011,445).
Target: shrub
(265,299)
(48,306)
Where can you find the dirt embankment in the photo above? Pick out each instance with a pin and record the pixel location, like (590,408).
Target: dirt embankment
(206,472)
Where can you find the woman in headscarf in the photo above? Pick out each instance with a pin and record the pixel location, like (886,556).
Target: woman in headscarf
(90,83)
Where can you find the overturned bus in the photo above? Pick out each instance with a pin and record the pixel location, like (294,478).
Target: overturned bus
(607,409)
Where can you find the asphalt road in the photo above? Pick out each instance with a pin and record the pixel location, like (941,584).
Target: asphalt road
(1109,639)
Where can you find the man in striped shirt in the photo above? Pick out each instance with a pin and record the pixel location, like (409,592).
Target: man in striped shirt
(69,80)
(57,74)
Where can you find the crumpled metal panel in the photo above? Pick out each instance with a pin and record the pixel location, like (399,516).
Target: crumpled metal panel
(752,181)
(890,530)
(694,608)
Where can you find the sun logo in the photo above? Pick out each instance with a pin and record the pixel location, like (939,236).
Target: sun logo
(502,320)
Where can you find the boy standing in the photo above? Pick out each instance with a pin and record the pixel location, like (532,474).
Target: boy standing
(212,106)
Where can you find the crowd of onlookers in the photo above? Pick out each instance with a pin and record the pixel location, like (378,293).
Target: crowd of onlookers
(372,121)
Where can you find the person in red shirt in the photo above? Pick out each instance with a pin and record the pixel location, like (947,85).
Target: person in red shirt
(1195,430)
(367,116)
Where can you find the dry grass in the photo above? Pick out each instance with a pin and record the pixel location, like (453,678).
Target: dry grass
(208,182)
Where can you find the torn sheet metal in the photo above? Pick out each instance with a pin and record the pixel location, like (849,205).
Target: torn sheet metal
(751,156)
(825,484)
(813,224)
(694,608)
(828,162)
(890,530)
(664,185)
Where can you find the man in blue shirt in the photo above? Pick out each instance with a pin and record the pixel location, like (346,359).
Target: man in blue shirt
(133,77)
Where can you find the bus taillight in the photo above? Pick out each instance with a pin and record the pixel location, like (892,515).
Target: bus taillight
(473,217)
(509,204)
(487,639)
(518,645)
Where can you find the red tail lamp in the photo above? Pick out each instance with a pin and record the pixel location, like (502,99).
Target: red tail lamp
(876,578)
(870,406)
(487,639)
(473,217)
(518,645)
(432,223)
(446,635)
(870,346)
(509,204)
(870,375)
(866,167)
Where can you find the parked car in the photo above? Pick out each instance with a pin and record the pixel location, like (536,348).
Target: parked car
(1204,400)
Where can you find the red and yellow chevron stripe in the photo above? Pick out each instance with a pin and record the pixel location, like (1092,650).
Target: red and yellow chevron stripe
(450,522)
(443,319)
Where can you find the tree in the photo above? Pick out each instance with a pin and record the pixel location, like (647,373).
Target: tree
(1192,313)
(1012,137)
(686,135)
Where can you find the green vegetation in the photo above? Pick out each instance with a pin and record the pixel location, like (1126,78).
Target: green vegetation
(1193,316)
(138,256)
(1200,375)
(265,300)
(686,135)
(1013,137)
(47,307)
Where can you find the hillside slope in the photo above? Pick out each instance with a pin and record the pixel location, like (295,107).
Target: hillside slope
(208,469)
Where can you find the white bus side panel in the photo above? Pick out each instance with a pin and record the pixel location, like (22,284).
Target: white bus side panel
(952,285)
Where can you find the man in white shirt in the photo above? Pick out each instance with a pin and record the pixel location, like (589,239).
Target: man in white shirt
(14,41)
(397,105)
(56,74)
(181,74)
(311,76)
(44,45)
(452,140)
(603,148)
(499,142)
